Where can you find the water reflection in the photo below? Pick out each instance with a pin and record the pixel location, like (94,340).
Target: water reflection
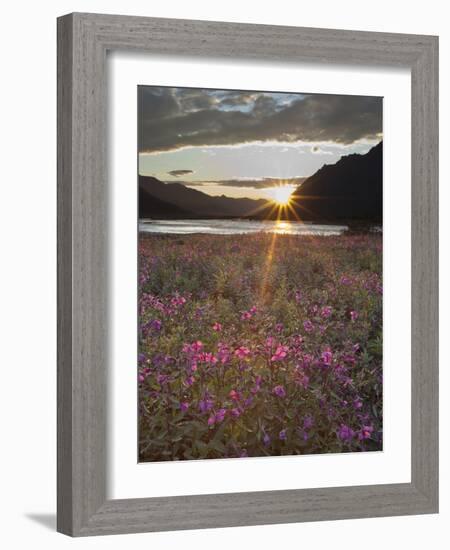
(237,227)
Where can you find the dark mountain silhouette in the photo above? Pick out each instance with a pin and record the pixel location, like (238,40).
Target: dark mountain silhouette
(351,189)
(152,207)
(176,197)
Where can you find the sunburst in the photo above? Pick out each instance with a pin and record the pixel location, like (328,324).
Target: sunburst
(281,194)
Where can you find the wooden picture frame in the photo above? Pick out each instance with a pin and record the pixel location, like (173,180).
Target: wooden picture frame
(83,41)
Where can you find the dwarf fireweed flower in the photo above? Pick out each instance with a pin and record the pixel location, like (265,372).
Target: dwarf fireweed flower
(301,378)
(308,326)
(308,422)
(217,327)
(184,406)
(279,391)
(357,403)
(354,315)
(326,312)
(242,352)
(205,405)
(349,358)
(189,381)
(224,356)
(307,360)
(248,402)
(255,389)
(345,433)
(143,373)
(197,346)
(246,315)
(162,379)
(211,420)
(235,412)
(347,381)
(365,432)
(207,357)
(220,415)
(234,395)
(178,300)
(327,357)
(280,353)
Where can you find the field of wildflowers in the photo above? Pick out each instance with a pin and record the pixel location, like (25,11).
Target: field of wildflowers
(259,345)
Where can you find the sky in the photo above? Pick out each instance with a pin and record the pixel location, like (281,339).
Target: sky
(246,143)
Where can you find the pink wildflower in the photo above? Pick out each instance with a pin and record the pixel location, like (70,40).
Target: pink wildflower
(326,312)
(280,353)
(365,432)
(196,346)
(279,391)
(242,352)
(234,395)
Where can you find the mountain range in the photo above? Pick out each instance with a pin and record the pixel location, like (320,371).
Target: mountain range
(350,189)
(175,200)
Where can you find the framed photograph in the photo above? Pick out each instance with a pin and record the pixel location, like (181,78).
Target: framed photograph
(247,274)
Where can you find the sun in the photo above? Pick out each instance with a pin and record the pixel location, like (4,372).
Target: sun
(281,194)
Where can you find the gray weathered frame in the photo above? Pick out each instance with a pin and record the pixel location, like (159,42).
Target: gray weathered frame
(83,40)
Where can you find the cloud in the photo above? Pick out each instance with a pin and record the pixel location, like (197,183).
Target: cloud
(238,99)
(177,173)
(262,183)
(173,118)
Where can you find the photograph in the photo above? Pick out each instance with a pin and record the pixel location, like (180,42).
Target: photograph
(260,265)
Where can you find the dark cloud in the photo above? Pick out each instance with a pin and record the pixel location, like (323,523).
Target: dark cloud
(157,103)
(177,173)
(262,183)
(194,99)
(171,118)
(238,99)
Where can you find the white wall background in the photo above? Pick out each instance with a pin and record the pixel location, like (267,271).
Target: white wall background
(28,270)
